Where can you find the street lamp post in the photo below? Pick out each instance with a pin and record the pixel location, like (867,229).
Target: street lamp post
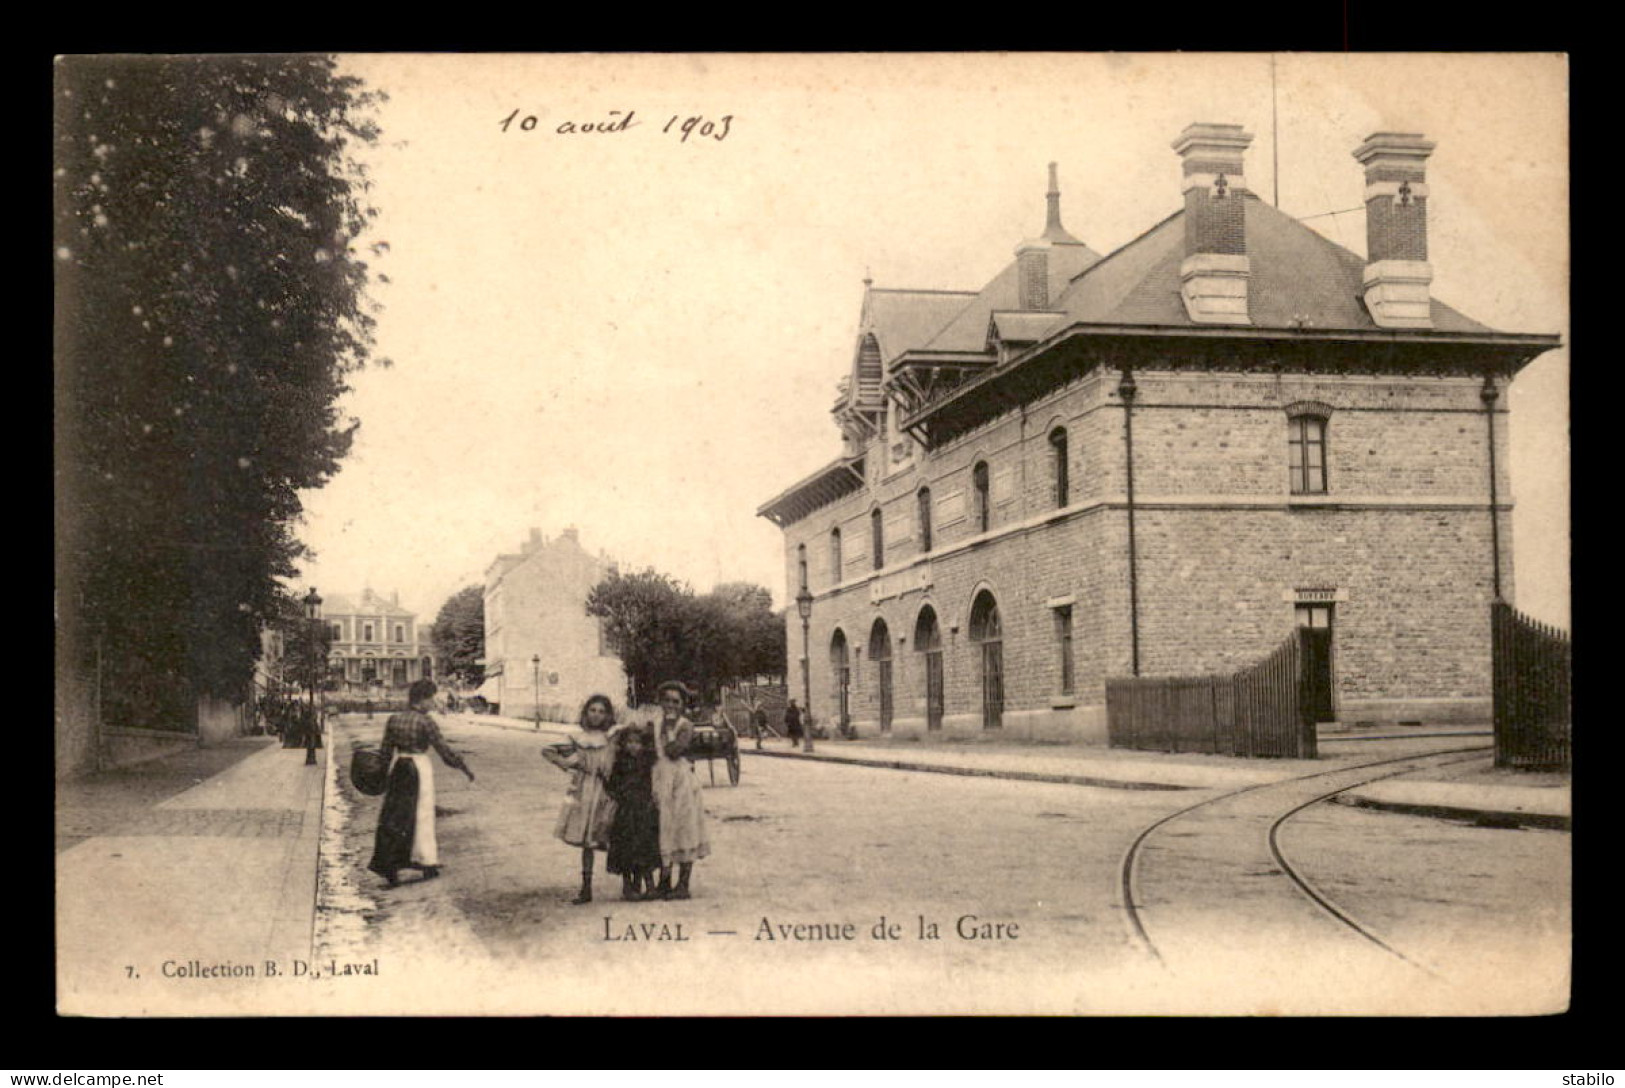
(536,687)
(804,603)
(313,612)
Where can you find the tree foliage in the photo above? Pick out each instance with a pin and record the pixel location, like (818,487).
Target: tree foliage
(662,630)
(306,644)
(458,635)
(210,304)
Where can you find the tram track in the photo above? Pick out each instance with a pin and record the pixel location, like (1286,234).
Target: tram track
(1131,890)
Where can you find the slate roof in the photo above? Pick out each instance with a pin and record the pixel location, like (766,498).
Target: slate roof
(1294,273)
(339,604)
(903,320)
(968,329)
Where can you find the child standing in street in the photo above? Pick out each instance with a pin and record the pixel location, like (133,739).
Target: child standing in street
(584,820)
(634,836)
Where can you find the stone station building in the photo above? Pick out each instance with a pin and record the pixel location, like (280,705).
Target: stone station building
(1158,462)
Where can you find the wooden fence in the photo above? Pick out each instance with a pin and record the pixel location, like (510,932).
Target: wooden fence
(1254,712)
(1533,709)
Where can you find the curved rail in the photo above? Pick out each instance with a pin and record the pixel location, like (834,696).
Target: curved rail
(1319,898)
(1132,855)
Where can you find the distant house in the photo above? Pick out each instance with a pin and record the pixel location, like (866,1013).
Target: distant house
(542,650)
(1160,462)
(376,643)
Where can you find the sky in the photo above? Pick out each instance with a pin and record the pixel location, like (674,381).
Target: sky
(639,335)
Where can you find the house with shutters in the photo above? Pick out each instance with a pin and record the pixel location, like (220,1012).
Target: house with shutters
(376,645)
(1160,461)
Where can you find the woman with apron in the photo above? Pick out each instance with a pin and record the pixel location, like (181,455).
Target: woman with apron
(405,837)
(683,839)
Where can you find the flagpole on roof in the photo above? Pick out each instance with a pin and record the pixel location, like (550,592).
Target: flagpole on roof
(1275,140)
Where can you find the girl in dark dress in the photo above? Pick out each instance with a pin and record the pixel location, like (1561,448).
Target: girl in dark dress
(634,836)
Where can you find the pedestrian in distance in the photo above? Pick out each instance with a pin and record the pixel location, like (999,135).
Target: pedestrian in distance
(634,834)
(758,722)
(792,724)
(683,838)
(585,819)
(406,833)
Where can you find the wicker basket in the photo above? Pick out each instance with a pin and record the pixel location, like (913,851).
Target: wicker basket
(369,771)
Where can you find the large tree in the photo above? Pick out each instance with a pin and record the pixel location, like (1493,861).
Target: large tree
(662,630)
(210,304)
(458,635)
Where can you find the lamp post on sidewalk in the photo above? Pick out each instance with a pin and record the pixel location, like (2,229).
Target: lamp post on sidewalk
(804,603)
(536,687)
(313,612)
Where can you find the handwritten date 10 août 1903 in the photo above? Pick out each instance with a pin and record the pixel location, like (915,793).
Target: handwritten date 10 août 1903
(677,126)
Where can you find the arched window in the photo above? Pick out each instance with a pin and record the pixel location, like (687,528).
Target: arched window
(1058,466)
(988,634)
(877,534)
(835,555)
(925,519)
(984,506)
(928,644)
(801,565)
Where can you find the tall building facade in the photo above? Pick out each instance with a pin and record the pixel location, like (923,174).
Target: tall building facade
(1159,462)
(543,653)
(375,643)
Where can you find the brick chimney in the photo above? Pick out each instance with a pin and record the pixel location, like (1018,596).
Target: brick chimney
(1213,276)
(1397,273)
(1032,256)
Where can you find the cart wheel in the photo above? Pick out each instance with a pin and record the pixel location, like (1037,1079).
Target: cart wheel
(733,767)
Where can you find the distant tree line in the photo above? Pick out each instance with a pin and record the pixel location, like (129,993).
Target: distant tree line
(662,630)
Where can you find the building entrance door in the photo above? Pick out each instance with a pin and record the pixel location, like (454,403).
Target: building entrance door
(1315,642)
(928,641)
(986,632)
(880,654)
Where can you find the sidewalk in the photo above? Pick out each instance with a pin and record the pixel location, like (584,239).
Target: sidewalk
(174,876)
(1472,790)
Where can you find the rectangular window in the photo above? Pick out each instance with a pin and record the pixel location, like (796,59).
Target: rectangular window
(366,632)
(338,631)
(1314,615)
(1063,639)
(1306,449)
(400,633)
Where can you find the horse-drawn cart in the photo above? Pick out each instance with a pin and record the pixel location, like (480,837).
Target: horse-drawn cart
(713,740)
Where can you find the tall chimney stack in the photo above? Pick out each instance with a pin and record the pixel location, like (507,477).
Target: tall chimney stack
(1213,276)
(1397,273)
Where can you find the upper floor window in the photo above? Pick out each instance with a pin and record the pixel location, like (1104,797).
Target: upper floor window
(801,565)
(400,633)
(338,630)
(925,519)
(983,511)
(877,533)
(366,632)
(1058,466)
(1306,454)
(835,555)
